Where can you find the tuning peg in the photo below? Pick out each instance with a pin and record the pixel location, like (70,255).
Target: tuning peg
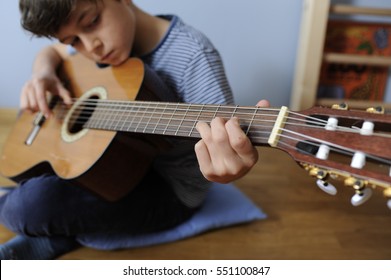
(341,106)
(367,128)
(361,196)
(376,110)
(332,124)
(322,183)
(389,204)
(326,187)
(358,160)
(387,194)
(362,193)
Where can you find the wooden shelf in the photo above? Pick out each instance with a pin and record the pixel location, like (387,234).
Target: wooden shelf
(354,10)
(310,56)
(357,59)
(358,104)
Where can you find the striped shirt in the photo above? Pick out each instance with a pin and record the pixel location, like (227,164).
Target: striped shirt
(192,68)
(190,65)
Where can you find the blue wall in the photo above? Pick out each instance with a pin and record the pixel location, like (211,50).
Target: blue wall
(257,40)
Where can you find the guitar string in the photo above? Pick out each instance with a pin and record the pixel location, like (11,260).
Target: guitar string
(212,109)
(377,171)
(333,146)
(300,137)
(110,104)
(309,121)
(356,130)
(341,150)
(141,104)
(159,118)
(223,112)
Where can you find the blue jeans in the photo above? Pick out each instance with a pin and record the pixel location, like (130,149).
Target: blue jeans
(50,206)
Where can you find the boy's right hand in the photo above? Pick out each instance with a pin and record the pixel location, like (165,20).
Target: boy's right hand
(35,93)
(44,81)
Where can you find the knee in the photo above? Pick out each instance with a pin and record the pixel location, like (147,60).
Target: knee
(14,215)
(23,216)
(29,208)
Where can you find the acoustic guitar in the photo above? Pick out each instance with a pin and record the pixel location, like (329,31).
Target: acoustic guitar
(120,117)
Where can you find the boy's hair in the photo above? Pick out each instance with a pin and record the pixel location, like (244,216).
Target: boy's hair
(43,18)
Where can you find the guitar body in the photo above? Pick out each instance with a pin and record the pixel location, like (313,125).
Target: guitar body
(109,163)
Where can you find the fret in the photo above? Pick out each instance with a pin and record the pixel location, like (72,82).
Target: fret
(141,118)
(101,116)
(170,119)
(133,117)
(158,119)
(115,116)
(150,118)
(196,120)
(217,110)
(107,109)
(183,118)
(168,122)
(92,120)
(124,117)
(252,120)
(234,111)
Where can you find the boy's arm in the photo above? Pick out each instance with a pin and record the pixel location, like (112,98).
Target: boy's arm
(225,153)
(44,79)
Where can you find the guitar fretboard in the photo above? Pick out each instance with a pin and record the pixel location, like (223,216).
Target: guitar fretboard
(177,119)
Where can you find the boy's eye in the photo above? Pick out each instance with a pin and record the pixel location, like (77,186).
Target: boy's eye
(74,42)
(93,22)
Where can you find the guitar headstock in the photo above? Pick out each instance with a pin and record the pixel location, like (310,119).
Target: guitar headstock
(340,144)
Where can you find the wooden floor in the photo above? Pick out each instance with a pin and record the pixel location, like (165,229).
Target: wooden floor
(303,222)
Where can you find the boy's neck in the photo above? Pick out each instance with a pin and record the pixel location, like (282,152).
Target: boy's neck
(150,30)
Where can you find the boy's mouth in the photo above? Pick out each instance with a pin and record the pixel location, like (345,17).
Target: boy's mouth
(106,57)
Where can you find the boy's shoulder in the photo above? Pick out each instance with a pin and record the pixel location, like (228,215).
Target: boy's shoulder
(182,31)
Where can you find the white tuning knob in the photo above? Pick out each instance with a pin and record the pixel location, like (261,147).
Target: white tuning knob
(326,187)
(360,198)
(389,204)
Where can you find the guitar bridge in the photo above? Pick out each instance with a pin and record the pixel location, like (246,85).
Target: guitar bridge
(38,122)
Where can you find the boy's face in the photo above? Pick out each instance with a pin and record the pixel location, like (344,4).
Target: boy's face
(104,32)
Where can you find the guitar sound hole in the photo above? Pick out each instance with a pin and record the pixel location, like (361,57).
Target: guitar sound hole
(82,114)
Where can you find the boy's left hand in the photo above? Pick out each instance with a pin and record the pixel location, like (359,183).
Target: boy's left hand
(224,152)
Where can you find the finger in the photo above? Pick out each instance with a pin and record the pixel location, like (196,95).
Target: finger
(203,158)
(240,143)
(24,100)
(29,98)
(201,148)
(40,97)
(219,133)
(204,130)
(220,148)
(263,103)
(64,94)
(213,149)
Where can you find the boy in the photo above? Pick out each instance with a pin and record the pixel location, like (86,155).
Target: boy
(49,213)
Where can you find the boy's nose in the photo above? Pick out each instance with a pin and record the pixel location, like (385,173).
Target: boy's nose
(92,44)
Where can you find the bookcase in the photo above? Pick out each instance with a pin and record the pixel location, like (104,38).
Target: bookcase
(311,54)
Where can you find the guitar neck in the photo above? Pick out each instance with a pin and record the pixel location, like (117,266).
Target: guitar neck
(177,119)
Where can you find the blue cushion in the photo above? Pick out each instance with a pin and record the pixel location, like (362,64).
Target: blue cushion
(224,206)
